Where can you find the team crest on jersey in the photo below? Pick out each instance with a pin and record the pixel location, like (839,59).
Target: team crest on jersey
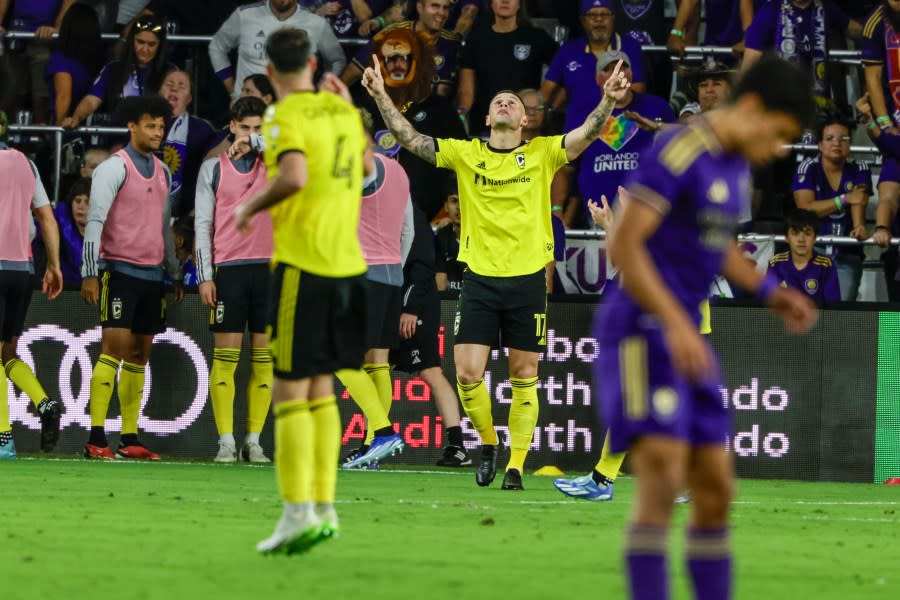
(387,143)
(520,160)
(439,61)
(718,192)
(635,9)
(420,116)
(665,402)
(220,312)
(522,51)
(811,285)
(116,308)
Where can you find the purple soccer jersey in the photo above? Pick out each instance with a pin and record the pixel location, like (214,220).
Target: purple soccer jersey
(818,279)
(811,176)
(700,191)
(617,152)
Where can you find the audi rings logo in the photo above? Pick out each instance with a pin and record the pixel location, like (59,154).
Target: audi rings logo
(76,356)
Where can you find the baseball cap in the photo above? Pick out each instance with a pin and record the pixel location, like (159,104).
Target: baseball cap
(611,57)
(587,5)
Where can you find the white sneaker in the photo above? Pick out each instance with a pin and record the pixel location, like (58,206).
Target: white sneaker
(253,453)
(330,524)
(297,531)
(227,453)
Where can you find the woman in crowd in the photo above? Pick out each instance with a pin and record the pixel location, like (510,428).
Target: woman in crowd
(143,69)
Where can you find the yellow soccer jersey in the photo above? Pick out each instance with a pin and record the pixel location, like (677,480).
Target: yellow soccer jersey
(504,201)
(315,229)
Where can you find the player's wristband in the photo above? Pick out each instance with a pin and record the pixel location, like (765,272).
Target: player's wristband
(677,33)
(839,201)
(556,208)
(767,286)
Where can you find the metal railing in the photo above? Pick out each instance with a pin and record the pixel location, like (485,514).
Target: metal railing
(57,133)
(821,240)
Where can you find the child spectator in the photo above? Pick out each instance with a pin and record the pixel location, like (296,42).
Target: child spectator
(71,214)
(802,267)
(183,233)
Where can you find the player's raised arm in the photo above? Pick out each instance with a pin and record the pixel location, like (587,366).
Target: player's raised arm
(419,144)
(614,90)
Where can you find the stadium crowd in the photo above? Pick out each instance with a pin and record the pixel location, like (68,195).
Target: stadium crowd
(443,61)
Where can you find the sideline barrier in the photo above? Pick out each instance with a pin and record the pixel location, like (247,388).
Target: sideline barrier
(824,406)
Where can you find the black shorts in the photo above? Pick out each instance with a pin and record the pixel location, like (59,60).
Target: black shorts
(316,324)
(421,351)
(513,307)
(242,297)
(15,296)
(385,303)
(132,303)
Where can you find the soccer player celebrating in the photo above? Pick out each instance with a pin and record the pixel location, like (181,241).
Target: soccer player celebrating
(656,376)
(314,150)
(24,195)
(233,271)
(122,267)
(506,240)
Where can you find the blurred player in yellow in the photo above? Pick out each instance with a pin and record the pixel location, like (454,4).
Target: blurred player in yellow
(314,145)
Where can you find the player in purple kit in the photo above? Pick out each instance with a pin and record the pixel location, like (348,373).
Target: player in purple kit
(656,376)
(837,190)
(801,267)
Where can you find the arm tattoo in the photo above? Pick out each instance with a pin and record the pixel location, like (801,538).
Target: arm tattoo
(597,119)
(419,144)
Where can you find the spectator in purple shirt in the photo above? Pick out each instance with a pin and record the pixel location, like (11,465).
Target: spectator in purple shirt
(796,30)
(75,60)
(803,268)
(71,214)
(346,17)
(142,71)
(572,71)
(629,131)
(726,21)
(25,62)
(881,61)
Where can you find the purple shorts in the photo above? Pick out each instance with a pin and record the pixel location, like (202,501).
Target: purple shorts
(640,393)
(890,171)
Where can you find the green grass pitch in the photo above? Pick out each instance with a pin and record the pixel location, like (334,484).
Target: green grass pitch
(77,529)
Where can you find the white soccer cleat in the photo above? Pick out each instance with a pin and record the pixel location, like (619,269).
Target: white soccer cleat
(227,453)
(330,524)
(297,531)
(253,453)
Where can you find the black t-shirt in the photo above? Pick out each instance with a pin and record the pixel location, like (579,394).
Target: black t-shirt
(642,15)
(446,251)
(436,117)
(504,61)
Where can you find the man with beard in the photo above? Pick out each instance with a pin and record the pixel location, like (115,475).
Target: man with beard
(572,71)
(432,17)
(407,61)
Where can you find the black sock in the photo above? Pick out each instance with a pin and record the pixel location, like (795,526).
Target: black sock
(600,479)
(454,436)
(488,449)
(384,431)
(97,437)
(129,439)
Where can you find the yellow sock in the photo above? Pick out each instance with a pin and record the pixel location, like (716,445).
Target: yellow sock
(294,451)
(103,381)
(363,391)
(523,416)
(24,378)
(5,425)
(610,462)
(380,374)
(259,389)
(131,390)
(326,421)
(476,401)
(221,387)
